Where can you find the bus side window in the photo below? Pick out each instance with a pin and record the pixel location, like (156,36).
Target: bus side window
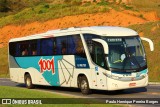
(24,49)
(71,45)
(18,51)
(33,48)
(47,46)
(61,45)
(75,46)
(38,47)
(79,46)
(88,38)
(98,54)
(54,47)
(12,49)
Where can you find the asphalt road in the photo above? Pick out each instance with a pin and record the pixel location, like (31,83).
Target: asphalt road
(151,91)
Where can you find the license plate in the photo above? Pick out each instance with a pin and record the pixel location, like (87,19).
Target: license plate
(132,84)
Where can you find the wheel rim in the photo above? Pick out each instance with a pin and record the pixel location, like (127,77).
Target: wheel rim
(28,82)
(83,85)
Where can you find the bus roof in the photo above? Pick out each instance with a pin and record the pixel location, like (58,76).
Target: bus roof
(99,30)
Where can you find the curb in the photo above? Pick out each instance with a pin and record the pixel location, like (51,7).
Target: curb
(149,83)
(154,83)
(5,78)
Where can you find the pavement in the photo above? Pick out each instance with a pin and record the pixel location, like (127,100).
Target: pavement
(151,91)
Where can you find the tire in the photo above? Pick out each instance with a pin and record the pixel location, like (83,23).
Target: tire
(84,86)
(78,82)
(28,81)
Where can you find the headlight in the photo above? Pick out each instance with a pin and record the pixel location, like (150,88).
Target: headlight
(111,76)
(115,77)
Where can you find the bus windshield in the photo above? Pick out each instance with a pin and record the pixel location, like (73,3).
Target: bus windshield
(125,53)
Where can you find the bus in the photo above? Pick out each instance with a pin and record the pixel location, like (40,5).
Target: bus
(97,57)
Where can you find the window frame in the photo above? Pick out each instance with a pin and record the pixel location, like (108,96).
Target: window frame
(39,49)
(92,43)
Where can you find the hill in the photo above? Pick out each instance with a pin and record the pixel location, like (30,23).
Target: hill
(111,18)
(42,15)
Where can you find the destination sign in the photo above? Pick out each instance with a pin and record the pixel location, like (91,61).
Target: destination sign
(114,39)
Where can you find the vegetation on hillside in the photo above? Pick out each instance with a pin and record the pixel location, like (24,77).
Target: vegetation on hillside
(4,62)
(44,12)
(18,5)
(24,11)
(146,5)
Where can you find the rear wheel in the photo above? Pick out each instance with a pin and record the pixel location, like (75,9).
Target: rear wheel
(28,81)
(84,85)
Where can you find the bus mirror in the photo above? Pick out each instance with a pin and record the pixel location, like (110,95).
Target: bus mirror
(150,43)
(104,44)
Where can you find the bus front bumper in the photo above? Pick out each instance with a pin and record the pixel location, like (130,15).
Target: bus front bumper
(113,84)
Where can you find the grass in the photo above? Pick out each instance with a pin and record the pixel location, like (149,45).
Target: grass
(65,105)
(43,11)
(146,5)
(127,7)
(4,75)
(153,58)
(46,11)
(4,61)
(103,3)
(15,92)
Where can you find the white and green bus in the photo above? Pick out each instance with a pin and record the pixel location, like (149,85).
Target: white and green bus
(98,57)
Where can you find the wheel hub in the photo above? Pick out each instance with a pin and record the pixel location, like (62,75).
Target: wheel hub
(83,85)
(28,82)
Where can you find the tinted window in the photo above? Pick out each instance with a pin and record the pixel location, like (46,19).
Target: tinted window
(96,50)
(61,45)
(33,48)
(65,45)
(88,38)
(12,48)
(76,46)
(47,46)
(24,49)
(98,55)
(70,45)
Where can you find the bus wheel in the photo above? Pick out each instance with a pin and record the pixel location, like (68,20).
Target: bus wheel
(28,81)
(84,85)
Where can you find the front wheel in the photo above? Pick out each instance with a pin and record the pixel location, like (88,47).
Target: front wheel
(28,81)
(84,86)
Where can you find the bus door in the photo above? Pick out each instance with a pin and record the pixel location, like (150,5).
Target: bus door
(98,58)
